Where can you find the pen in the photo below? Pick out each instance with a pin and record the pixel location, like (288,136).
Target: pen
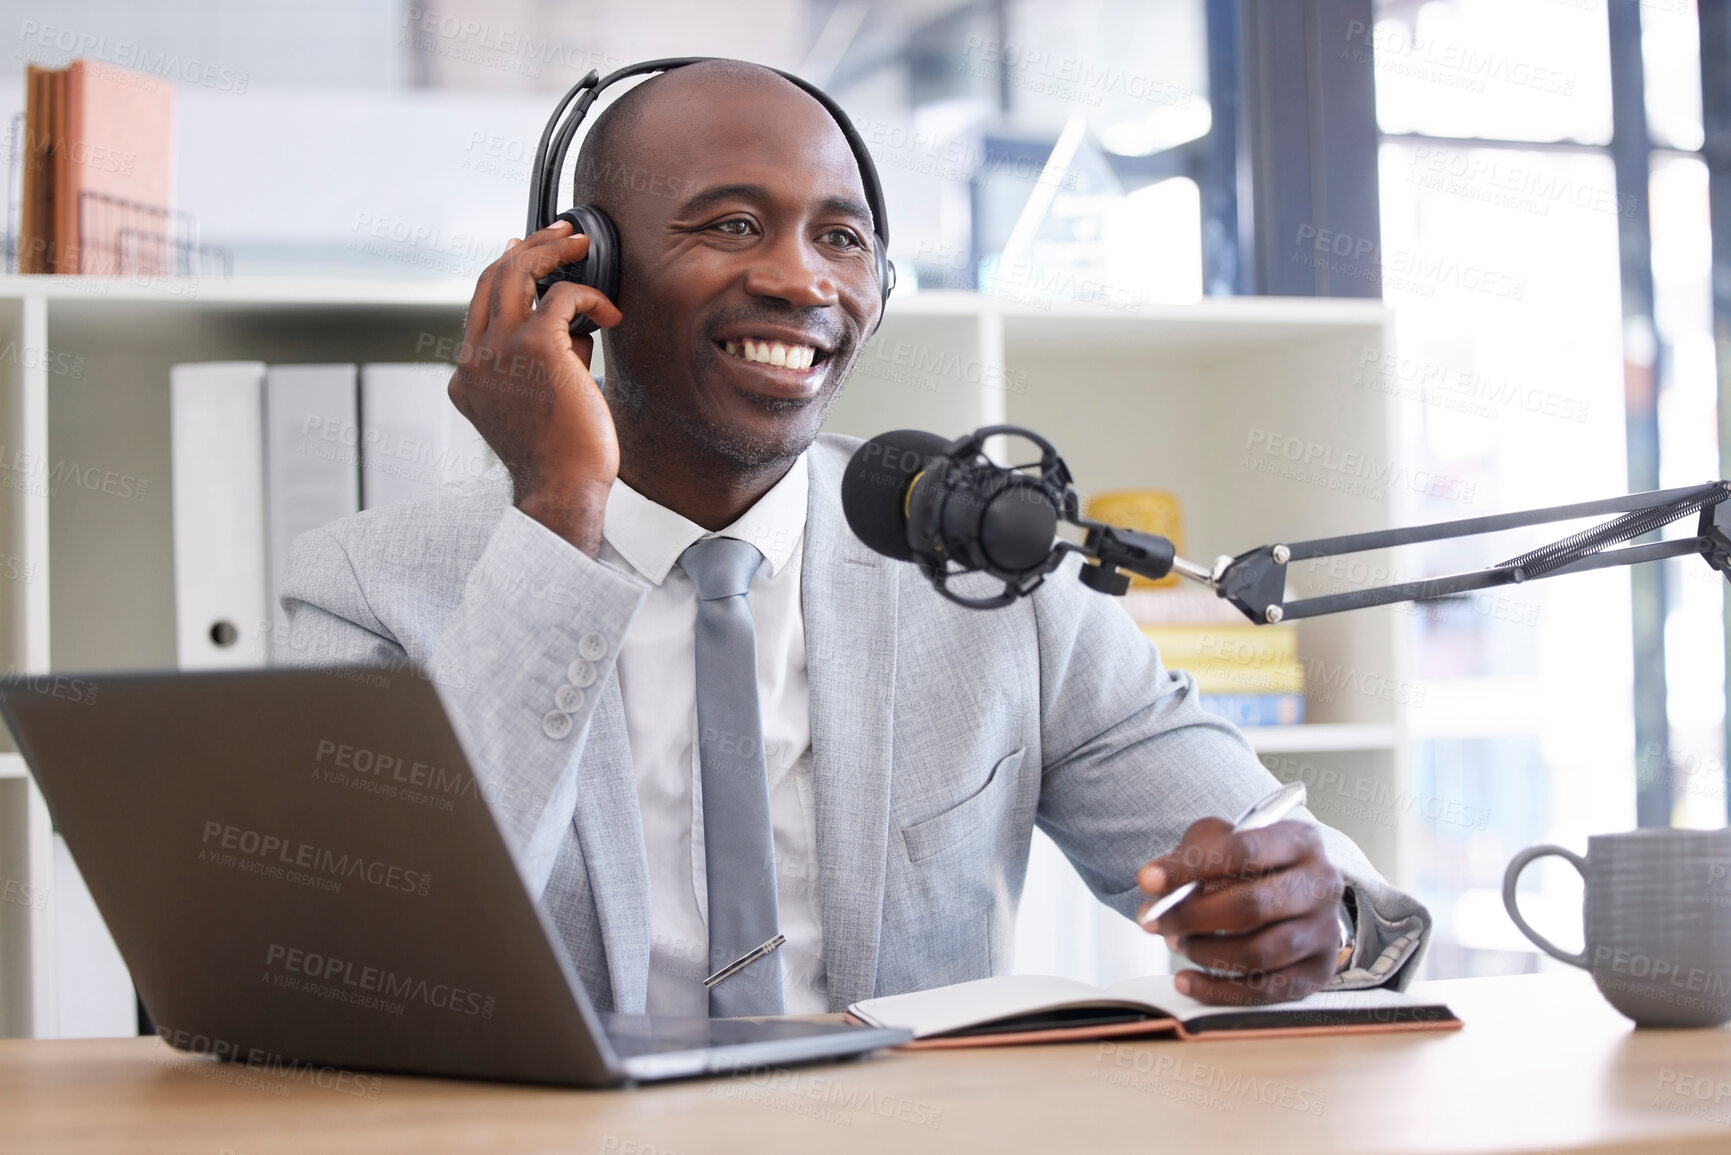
(742,962)
(1265,811)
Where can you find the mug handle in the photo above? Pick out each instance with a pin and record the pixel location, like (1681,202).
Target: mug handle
(1513,874)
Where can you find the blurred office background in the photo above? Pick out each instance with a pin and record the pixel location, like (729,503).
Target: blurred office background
(1528,183)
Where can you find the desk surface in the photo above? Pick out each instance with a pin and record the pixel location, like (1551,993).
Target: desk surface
(1543,1065)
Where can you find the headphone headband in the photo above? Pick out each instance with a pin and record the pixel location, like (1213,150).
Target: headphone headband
(556,139)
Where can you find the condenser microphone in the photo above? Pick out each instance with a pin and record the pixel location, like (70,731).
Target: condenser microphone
(874,490)
(951,510)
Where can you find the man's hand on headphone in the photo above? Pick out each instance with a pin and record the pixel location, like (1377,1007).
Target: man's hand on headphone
(523,381)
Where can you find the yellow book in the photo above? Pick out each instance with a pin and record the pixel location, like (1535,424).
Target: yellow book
(1245,644)
(1146,511)
(1228,678)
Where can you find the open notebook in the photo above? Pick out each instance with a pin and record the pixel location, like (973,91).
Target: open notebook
(1040,1008)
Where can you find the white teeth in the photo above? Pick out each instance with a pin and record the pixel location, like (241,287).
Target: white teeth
(777,353)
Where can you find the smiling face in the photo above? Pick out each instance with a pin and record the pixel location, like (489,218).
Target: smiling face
(747,292)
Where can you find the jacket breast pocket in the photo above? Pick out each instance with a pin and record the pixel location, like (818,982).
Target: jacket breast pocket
(942,831)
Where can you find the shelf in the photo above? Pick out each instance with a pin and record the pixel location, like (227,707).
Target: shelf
(205,292)
(1209,325)
(1321,737)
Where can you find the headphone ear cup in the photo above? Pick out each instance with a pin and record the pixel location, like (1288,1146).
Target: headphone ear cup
(599,269)
(886,280)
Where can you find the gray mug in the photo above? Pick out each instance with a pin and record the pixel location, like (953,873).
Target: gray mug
(1657,920)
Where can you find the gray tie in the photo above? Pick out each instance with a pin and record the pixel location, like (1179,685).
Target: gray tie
(738,845)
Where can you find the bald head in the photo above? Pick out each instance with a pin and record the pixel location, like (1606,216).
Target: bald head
(611,162)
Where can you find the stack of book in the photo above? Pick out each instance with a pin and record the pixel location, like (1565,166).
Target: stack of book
(1247,674)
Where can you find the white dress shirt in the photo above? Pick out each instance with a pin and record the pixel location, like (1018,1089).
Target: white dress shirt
(658,680)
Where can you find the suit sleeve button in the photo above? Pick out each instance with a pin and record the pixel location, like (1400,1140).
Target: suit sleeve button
(568,699)
(592,646)
(581,671)
(556,725)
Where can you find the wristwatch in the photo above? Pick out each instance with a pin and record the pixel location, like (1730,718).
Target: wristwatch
(1347,913)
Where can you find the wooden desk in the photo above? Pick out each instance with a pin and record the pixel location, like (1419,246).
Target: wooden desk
(1543,1065)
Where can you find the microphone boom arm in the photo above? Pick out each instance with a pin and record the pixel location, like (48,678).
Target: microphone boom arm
(1255,581)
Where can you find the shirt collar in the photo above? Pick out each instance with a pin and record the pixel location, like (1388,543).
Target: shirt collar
(651,537)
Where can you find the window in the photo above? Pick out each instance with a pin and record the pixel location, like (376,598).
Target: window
(1497,168)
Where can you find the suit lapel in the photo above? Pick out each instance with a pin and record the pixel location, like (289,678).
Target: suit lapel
(848,597)
(610,831)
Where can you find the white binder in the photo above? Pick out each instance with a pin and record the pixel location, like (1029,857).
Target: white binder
(218,504)
(311,466)
(413,440)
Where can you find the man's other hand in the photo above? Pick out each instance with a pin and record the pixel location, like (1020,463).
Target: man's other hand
(523,381)
(1262,921)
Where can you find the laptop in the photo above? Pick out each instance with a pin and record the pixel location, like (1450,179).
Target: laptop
(300,868)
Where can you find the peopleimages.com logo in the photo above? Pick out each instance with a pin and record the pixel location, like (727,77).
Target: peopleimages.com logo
(268,853)
(274,1066)
(338,974)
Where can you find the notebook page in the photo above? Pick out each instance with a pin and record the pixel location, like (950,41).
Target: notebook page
(1159,991)
(951,1008)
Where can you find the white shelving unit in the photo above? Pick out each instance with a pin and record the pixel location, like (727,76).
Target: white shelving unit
(1163,398)
(1322,737)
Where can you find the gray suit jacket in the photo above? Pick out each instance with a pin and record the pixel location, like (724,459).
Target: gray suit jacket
(940,735)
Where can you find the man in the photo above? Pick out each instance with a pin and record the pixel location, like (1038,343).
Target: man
(705,712)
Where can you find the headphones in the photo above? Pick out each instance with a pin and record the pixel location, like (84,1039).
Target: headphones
(600,268)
